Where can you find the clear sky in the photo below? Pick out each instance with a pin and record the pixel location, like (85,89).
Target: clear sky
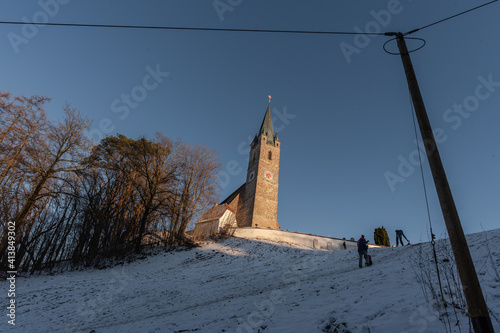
(341,103)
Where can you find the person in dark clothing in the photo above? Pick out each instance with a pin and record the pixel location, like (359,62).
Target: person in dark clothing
(362,251)
(344,245)
(399,235)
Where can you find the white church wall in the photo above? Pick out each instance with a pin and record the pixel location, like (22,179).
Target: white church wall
(227,218)
(305,240)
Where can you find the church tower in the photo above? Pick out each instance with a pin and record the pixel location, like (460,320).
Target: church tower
(260,202)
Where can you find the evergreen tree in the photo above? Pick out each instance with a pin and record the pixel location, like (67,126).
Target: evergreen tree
(381,237)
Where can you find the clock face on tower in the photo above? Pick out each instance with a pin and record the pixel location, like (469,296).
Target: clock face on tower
(268,175)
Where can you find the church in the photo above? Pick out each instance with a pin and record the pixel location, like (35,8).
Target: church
(255,203)
(251,211)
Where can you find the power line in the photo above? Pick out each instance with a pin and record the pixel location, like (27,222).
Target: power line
(237,29)
(448,18)
(191,28)
(433,242)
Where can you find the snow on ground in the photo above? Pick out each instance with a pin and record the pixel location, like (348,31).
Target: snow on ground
(241,285)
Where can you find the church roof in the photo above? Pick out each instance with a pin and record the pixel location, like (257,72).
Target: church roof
(214,213)
(233,195)
(267,126)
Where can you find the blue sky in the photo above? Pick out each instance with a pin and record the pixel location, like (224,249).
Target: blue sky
(345,121)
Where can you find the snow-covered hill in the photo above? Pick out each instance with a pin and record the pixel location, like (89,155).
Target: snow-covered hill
(241,285)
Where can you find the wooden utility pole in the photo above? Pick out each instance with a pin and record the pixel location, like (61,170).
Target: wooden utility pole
(478,311)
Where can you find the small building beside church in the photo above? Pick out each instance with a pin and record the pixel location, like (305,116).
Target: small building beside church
(255,203)
(215,220)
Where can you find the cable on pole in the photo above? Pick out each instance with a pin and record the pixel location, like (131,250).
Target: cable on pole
(85,25)
(433,242)
(399,53)
(191,28)
(448,18)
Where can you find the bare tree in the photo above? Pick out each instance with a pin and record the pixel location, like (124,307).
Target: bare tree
(156,170)
(73,202)
(39,160)
(147,168)
(48,162)
(21,122)
(196,187)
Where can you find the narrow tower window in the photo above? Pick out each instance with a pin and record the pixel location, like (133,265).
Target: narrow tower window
(270,155)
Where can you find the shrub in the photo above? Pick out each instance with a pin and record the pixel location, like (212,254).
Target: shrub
(381,237)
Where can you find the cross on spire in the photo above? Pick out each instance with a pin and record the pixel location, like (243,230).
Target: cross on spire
(267,125)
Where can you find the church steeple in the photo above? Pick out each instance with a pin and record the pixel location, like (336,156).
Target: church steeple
(255,203)
(260,199)
(267,125)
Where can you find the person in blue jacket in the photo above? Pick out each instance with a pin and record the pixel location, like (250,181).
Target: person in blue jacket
(362,251)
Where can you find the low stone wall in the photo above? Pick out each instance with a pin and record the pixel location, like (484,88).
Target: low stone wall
(297,238)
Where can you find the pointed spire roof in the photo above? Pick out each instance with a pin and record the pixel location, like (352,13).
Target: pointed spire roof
(267,125)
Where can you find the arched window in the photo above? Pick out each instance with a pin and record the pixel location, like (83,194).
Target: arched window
(270,155)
